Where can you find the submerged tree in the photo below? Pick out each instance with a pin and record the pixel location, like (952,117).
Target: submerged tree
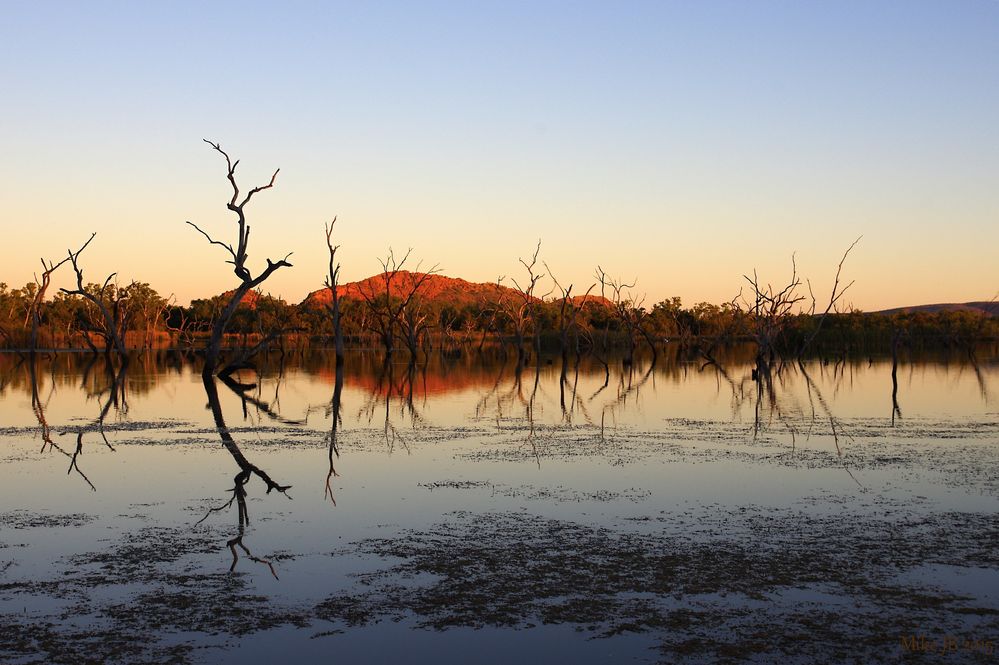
(387,305)
(247,281)
(770,312)
(109,320)
(630,314)
(568,315)
(520,306)
(35,309)
(332,283)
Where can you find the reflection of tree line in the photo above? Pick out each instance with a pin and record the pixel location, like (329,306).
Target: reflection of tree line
(395,397)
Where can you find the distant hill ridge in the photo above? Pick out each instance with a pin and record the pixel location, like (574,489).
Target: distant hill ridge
(459,293)
(988,307)
(436,288)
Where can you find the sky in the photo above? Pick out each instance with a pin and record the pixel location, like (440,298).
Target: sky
(684,144)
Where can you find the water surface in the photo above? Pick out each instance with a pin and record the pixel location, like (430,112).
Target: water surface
(462,510)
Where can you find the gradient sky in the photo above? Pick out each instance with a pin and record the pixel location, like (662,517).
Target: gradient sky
(680,143)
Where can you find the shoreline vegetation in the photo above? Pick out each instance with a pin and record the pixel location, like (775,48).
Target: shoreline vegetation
(413,309)
(148,321)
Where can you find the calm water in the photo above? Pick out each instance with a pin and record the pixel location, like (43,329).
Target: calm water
(466,512)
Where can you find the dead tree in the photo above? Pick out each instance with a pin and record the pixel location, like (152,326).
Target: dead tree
(531,301)
(247,281)
(386,306)
(332,283)
(414,323)
(629,312)
(520,307)
(568,313)
(834,297)
(111,322)
(35,309)
(769,313)
(494,312)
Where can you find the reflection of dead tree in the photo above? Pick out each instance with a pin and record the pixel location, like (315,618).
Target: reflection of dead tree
(238,541)
(765,388)
(895,409)
(335,422)
(230,443)
(332,283)
(529,402)
(627,389)
(239,497)
(38,407)
(243,359)
(110,326)
(116,396)
(246,471)
(738,391)
(834,423)
(242,391)
(77,451)
(483,403)
(575,401)
(381,396)
(239,256)
(115,392)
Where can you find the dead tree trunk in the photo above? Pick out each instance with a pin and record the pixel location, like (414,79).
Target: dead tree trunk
(568,314)
(35,310)
(385,307)
(111,328)
(631,314)
(332,283)
(248,282)
(522,310)
(769,314)
(837,293)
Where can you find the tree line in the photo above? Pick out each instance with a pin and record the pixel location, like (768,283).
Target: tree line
(527,314)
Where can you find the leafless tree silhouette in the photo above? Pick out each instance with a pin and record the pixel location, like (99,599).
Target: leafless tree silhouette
(834,298)
(239,256)
(521,307)
(332,283)
(398,290)
(628,311)
(35,309)
(109,302)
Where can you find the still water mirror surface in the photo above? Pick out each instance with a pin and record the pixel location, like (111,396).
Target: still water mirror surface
(464,511)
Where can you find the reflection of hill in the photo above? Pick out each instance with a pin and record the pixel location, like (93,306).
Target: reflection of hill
(438,378)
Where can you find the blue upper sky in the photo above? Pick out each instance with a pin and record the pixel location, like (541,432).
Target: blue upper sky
(682,143)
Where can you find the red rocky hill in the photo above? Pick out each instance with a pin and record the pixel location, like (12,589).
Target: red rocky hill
(438,289)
